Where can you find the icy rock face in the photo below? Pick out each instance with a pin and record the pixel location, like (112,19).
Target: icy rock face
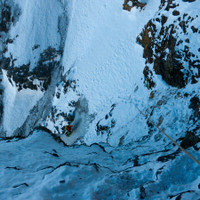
(31,50)
(68,107)
(9,15)
(107,72)
(170,42)
(170,48)
(40,76)
(33,68)
(38,167)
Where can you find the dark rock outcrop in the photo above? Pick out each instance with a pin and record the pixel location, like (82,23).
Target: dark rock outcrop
(164,49)
(129,4)
(24,77)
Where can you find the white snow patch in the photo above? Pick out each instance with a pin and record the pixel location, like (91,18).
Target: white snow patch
(17,105)
(130,3)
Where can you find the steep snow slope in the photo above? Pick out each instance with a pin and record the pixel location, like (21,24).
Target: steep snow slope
(105,58)
(101,46)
